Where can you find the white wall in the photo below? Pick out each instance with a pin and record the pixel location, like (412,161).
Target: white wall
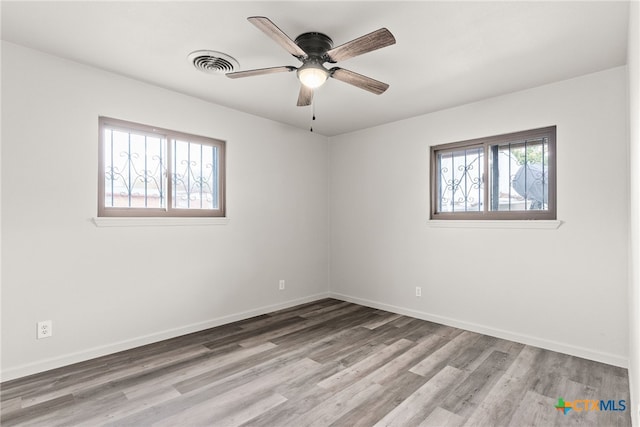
(563,289)
(112,288)
(633,61)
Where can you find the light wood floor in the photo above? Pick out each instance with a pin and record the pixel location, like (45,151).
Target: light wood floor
(321,364)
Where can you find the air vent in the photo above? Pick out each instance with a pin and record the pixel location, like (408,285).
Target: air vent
(212,62)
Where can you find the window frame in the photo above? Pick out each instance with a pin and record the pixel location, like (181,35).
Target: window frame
(486,142)
(168,137)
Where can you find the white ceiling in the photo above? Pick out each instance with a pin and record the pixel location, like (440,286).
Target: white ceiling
(447,53)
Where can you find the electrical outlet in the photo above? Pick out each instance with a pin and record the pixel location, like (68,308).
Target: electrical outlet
(418,291)
(45,329)
(281,286)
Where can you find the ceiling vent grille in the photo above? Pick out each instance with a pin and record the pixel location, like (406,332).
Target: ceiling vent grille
(212,62)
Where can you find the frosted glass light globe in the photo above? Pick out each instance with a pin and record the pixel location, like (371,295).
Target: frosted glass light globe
(312,75)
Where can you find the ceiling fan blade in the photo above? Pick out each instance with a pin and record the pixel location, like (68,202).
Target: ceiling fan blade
(269,28)
(367,43)
(358,80)
(260,71)
(305,96)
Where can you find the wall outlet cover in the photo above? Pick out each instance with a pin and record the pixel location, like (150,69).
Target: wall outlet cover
(45,329)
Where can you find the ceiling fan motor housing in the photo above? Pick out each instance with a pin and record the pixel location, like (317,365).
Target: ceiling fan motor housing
(314,44)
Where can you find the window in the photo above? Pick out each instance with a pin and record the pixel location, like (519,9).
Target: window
(509,176)
(152,172)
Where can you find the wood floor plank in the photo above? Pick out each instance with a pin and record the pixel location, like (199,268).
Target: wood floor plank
(252,371)
(293,409)
(418,330)
(406,360)
(535,408)
(140,367)
(467,395)
(610,389)
(358,370)
(250,411)
(302,327)
(420,404)
(323,310)
(233,368)
(39,413)
(135,402)
(216,409)
(203,370)
(300,311)
(473,356)
(327,362)
(252,333)
(269,335)
(323,326)
(86,407)
(340,349)
(338,404)
(434,362)
(402,321)
(383,320)
(377,406)
(10,405)
(505,396)
(212,401)
(442,418)
(548,380)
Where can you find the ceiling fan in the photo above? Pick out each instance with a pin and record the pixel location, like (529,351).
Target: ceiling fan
(313,50)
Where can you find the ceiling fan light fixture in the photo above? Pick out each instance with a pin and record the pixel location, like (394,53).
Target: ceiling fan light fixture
(312,75)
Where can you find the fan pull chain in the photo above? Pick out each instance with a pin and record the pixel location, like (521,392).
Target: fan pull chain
(313,117)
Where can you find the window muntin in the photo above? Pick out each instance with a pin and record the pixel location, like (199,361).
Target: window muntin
(502,177)
(520,175)
(460,179)
(134,169)
(194,180)
(146,171)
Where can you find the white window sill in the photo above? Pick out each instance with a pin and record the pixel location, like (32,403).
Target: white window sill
(157,221)
(505,224)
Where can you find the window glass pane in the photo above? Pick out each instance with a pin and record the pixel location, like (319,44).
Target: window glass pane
(195,177)
(520,175)
(134,170)
(460,180)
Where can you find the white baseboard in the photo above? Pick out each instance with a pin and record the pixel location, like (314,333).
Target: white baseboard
(585,353)
(91,353)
